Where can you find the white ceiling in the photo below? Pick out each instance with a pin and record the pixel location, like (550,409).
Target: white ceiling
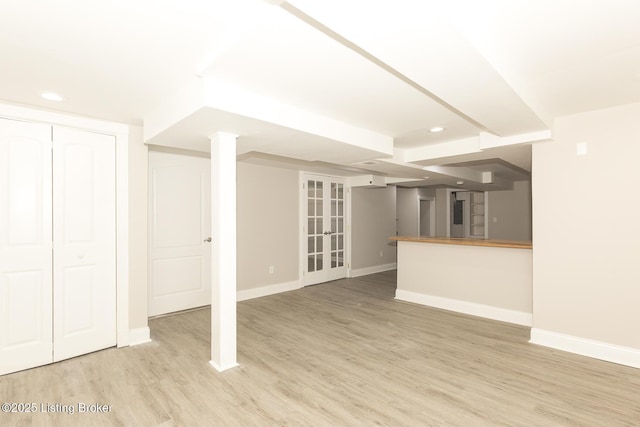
(327,85)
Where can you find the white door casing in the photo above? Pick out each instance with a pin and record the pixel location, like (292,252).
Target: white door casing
(324,228)
(25,245)
(179,223)
(84,248)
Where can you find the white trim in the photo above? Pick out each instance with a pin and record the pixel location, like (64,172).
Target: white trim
(263,291)
(24,113)
(597,349)
(224,367)
(139,336)
(302,227)
(474,309)
(223,250)
(372,270)
(122,239)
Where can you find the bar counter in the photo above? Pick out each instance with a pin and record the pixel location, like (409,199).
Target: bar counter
(465,241)
(486,278)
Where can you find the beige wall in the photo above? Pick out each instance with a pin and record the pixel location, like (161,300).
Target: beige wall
(512,211)
(138,161)
(373,221)
(267,223)
(586,228)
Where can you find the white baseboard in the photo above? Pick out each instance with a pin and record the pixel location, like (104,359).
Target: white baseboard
(372,270)
(267,290)
(585,347)
(222,368)
(481,310)
(139,336)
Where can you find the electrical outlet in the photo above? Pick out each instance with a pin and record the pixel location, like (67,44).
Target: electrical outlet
(271,269)
(381,254)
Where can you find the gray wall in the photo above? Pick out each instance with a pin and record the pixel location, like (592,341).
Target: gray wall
(267,223)
(373,221)
(138,161)
(511,211)
(441,212)
(407,209)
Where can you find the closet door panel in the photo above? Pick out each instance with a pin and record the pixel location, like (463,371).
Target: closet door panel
(25,245)
(84,219)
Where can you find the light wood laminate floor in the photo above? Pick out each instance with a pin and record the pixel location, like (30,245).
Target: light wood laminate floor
(343,353)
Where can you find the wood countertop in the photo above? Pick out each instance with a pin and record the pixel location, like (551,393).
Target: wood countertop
(465,241)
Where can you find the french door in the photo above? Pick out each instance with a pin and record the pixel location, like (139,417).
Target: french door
(324,229)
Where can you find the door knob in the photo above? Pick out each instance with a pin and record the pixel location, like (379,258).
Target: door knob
(208,240)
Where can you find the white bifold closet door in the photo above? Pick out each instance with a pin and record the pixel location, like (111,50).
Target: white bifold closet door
(25,246)
(84,242)
(57,244)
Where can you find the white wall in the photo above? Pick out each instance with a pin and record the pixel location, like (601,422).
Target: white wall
(586,230)
(373,221)
(407,211)
(267,223)
(511,210)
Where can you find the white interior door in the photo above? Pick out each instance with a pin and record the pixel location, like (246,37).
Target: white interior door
(179,225)
(84,230)
(325,229)
(25,245)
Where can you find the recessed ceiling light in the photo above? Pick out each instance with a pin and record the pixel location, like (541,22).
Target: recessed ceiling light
(52,96)
(436,129)
(459,182)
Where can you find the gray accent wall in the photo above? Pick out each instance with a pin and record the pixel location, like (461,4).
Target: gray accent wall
(267,224)
(373,221)
(408,209)
(510,213)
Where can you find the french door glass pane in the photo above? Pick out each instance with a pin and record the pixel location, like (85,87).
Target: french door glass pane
(319,252)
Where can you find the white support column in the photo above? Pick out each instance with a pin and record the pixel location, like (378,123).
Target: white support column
(223,253)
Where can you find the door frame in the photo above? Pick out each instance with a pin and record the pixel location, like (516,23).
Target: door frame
(121,134)
(302,221)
